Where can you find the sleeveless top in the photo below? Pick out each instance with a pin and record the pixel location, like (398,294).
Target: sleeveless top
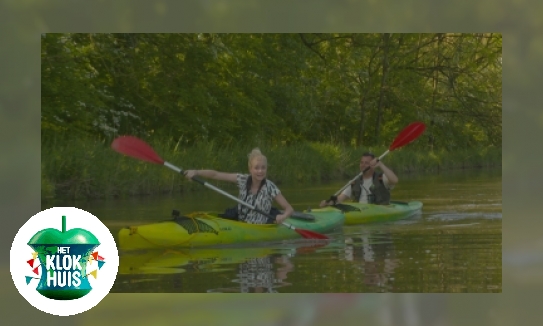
(262,200)
(375,190)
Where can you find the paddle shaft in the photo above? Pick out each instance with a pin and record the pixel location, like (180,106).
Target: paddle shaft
(210,186)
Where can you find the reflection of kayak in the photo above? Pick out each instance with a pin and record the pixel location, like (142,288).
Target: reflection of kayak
(207,229)
(177,260)
(356,213)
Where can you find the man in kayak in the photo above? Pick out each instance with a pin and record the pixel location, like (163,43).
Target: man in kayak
(254,189)
(372,187)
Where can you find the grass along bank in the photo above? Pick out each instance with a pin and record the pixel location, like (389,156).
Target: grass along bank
(79,168)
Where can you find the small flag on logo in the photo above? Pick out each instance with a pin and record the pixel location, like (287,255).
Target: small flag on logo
(35,270)
(96,256)
(30,278)
(93,273)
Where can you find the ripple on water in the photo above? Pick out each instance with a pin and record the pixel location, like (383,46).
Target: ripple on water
(449,216)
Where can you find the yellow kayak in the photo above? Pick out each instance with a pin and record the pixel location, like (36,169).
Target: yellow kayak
(208,229)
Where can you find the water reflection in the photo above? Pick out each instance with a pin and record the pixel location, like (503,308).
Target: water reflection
(259,275)
(377,260)
(254,270)
(374,256)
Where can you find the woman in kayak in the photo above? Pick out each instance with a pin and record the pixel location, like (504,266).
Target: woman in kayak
(254,189)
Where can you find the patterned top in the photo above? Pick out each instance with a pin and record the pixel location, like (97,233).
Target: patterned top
(262,200)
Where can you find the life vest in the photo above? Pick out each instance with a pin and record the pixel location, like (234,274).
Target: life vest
(379,194)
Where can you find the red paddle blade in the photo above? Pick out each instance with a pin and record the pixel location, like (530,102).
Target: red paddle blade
(407,135)
(137,148)
(310,234)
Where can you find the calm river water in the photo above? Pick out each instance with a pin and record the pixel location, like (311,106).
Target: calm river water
(454,245)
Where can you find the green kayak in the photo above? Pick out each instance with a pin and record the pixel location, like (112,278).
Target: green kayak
(208,229)
(356,213)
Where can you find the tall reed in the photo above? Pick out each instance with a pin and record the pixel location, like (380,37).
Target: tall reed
(89,168)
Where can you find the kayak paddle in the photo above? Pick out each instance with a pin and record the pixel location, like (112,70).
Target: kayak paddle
(407,135)
(137,148)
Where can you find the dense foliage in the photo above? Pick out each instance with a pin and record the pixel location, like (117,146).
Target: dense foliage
(349,89)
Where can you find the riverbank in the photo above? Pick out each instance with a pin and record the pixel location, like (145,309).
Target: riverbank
(82,168)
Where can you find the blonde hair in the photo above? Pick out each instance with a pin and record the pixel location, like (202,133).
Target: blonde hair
(254,154)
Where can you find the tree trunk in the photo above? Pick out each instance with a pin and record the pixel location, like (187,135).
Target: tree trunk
(362,120)
(386,40)
(435,80)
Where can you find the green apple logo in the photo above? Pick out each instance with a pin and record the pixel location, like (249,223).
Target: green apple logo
(63,258)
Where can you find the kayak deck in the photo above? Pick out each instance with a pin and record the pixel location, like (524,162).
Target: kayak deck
(207,229)
(356,213)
